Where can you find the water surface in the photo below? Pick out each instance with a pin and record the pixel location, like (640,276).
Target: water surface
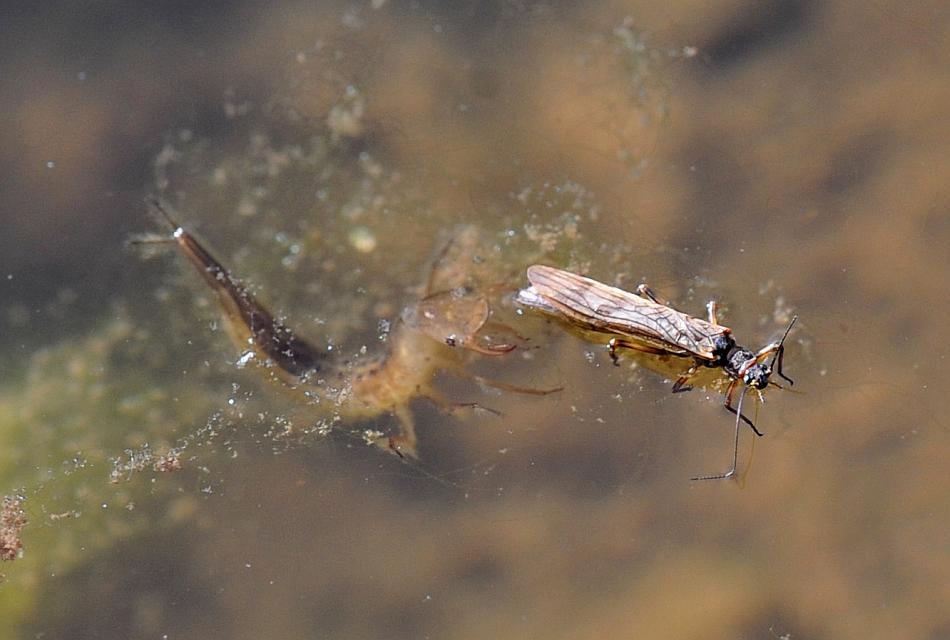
(784,158)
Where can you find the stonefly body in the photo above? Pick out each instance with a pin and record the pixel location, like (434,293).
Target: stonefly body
(639,321)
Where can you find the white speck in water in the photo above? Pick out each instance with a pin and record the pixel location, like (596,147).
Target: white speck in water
(363,240)
(50,164)
(81,76)
(245,358)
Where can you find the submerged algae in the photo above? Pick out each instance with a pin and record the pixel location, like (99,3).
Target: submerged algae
(98,420)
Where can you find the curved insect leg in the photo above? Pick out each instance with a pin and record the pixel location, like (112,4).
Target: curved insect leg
(490,349)
(739,415)
(644,291)
(778,348)
(404,443)
(455,408)
(681,383)
(614,344)
(735,453)
(712,312)
(462,372)
(505,386)
(778,369)
(485,350)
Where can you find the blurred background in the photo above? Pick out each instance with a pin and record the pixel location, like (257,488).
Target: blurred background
(783,157)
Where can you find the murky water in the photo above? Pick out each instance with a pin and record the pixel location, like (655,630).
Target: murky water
(784,158)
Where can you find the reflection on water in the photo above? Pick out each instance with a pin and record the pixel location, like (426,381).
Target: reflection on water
(380,179)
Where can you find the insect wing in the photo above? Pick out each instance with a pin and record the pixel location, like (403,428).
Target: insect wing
(599,307)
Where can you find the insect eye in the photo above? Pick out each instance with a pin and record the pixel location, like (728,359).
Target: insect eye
(757,376)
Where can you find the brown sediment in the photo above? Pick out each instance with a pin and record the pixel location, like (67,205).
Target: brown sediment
(12,521)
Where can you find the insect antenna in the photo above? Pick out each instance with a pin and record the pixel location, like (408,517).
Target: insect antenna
(780,353)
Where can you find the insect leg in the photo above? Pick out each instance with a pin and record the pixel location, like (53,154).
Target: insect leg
(492,328)
(735,452)
(614,344)
(681,383)
(712,310)
(404,443)
(728,405)
(455,408)
(491,350)
(644,291)
(504,386)
(778,368)
(778,348)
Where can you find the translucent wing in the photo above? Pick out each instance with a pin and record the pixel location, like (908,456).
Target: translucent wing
(596,306)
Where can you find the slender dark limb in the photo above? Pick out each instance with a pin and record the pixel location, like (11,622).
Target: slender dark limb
(615,344)
(778,369)
(735,453)
(644,291)
(454,408)
(393,444)
(433,270)
(778,348)
(739,416)
(681,383)
(504,386)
